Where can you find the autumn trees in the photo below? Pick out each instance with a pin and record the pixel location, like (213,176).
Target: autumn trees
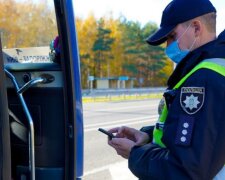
(108,47)
(26,24)
(112,48)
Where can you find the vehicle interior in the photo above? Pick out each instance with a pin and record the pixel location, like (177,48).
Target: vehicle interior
(46,106)
(38,103)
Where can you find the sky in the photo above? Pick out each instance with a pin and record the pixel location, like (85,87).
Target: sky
(137,10)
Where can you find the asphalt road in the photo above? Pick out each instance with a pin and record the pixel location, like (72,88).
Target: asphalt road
(100,161)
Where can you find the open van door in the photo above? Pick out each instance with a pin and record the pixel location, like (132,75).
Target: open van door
(41,105)
(5,156)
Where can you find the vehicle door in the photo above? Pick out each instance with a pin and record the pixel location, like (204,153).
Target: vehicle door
(41,107)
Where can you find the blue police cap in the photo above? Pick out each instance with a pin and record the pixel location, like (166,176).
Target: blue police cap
(176,12)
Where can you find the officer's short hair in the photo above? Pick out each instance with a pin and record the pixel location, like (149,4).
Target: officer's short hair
(209,20)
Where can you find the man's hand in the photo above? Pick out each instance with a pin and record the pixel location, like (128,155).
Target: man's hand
(122,146)
(138,137)
(126,139)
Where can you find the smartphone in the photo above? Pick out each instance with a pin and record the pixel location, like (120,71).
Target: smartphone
(110,135)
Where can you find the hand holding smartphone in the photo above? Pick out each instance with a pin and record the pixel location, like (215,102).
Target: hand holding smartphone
(110,135)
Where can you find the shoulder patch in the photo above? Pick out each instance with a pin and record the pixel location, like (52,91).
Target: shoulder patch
(192,99)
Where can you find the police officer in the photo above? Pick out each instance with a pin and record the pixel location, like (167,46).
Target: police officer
(188,140)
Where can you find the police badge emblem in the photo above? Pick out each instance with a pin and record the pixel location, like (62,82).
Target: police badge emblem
(192,99)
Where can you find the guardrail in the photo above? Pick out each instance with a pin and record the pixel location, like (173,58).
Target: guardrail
(99,95)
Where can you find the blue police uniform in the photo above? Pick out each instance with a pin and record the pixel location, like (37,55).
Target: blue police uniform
(194,131)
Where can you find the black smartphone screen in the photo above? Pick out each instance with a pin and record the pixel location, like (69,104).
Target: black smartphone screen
(110,135)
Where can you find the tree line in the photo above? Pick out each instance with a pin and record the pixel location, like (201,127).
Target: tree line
(114,47)
(108,47)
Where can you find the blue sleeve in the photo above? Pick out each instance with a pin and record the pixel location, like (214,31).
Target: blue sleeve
(199,151)
(149,131)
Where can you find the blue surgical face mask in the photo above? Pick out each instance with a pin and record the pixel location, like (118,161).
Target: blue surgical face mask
(175,53)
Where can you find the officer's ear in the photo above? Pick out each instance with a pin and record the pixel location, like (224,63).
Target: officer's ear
(198,27)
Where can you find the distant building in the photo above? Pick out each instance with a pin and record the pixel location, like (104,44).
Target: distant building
(112,82)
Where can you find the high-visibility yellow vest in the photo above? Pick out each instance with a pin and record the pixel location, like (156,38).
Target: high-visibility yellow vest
(215,64)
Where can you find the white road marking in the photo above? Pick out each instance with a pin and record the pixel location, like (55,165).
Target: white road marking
(97,170)
(150,119)
(121,108)
(120,121)
(118,171)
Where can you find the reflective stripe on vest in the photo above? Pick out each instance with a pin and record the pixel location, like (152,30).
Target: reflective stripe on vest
(215,64)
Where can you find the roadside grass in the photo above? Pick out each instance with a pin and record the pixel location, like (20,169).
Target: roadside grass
(124,97)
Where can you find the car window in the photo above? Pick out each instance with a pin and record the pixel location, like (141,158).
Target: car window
(28,29)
